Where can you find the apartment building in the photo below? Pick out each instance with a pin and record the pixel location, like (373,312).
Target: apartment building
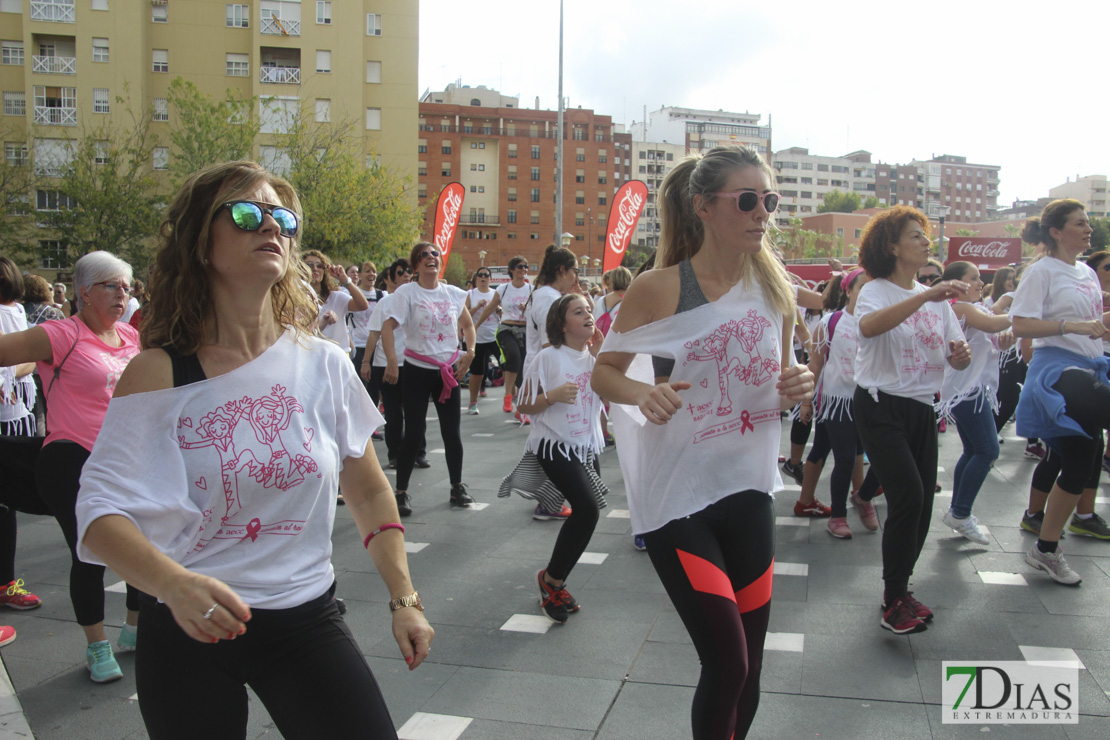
(1089,190)
(651,162)
(804,179)
(64,63)
(700,130)
(968,190)
(505,158)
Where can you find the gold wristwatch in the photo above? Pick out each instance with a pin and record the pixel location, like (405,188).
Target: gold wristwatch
(411,600)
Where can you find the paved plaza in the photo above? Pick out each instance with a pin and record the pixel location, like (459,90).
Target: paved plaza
(623,666)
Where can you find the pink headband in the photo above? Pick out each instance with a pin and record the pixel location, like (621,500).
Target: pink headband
(846,281)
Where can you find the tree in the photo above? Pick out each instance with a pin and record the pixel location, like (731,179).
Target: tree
(838,202)
(107,196)
(17,181)
(871,202)
(1100,239)
(967,232)
(455,272)
(207,130)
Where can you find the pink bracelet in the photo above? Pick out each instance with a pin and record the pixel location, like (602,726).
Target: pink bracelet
(379,530)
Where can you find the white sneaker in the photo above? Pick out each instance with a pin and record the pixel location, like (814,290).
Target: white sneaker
(968,528)
(1054,564)
(472,409)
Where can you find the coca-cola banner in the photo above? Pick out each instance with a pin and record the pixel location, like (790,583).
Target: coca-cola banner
(812,275)
(448,209)
(628,203)
(989,252)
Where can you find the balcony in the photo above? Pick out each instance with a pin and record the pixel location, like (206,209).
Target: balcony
(281,75)
(49,116)
(280,27)
(479,219)
(54,65)
(60,11)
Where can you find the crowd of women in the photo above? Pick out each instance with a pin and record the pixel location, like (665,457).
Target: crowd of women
(258,369)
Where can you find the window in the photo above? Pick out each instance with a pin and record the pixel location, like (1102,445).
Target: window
(373,72)
(579,219)
(52,200)
(238,65)
(535,217)
(238,16)
(474,188)
(323,112)
(602,177)
(512,195)
(445,169)
(533,237)
(159,13)
(373,119)
(323,13)
(422,191)
(512,172)
(512,151)
(481,168)
(473,167)
(580,175)
(52,255)
(101,101)
(511,218)
(535,173)
(161,60)
(446,147)
(535,151)
(161,109)
(580,197)
(100,50)
(602,200)
(602,156)
(422,147)
(373,24)
(323,61)
(15,154)
(535,195)
(99,4)
(15,103)
(422,169)
(580,155)
(859,233)
(161,158)
(481,188)
(12,52)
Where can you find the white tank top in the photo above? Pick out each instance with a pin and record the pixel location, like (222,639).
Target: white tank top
(513,301)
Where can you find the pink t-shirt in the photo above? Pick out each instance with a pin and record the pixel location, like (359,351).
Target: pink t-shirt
(79,399)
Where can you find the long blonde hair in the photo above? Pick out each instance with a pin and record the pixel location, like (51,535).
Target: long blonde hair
(682,229)
(181,295)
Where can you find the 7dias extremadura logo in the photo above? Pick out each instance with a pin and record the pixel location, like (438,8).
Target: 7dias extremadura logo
(1009,692)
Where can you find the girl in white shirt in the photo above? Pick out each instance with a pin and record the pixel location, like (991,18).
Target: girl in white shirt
(331,284)
(477,299)
(907,333)
(511,298)
(558,276)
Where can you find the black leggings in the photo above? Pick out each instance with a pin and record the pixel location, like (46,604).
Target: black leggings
(900,437)
(510,338)
(1087,403)
(393,402)
(374,385)
(799,432)
(482,352)
(717,568)
(58,475)
(302,662)
(570,477)
(1011,374)
(420,383)
(841,438)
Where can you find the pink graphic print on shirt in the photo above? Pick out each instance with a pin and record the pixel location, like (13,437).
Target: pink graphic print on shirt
(925,335)
(582,412)
(756,370)
(1094,297)
(267,418)
(437,322)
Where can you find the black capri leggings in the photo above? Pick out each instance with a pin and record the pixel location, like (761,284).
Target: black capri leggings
(1087,403)
(717,567)
(482,352)
(511,339)
(302,662)
(420,383)
(570,477)
(1011,374)
(58,476)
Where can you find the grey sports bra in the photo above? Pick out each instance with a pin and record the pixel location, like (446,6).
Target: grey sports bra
(690,296)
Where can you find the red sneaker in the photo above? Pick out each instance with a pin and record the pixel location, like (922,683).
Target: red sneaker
(17,597)
(900,619)
(7,634)
(922,612)
(814,509)
(507,407)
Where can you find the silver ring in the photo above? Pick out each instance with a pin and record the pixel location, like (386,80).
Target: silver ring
(208,614)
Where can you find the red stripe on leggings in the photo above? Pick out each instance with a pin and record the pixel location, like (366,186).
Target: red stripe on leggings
(757,593)
(705,576)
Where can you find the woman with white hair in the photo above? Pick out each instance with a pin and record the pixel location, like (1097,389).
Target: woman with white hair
(81,359)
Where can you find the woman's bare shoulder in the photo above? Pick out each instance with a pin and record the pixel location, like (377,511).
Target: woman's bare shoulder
(150,370)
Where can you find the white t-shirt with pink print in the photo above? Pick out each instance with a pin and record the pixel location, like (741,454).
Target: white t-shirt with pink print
(1053,290)
(909,360)
(574,428)
(430,319)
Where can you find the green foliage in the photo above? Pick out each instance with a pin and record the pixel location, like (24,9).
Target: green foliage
(635,255)
(207,130)
(455,272)
(17,180)
(871,202)
(1100,239)
(838,202)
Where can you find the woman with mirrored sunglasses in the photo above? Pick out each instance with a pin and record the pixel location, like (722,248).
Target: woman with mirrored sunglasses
(212,486)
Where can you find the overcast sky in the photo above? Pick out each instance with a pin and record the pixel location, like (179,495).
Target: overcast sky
(1018,84)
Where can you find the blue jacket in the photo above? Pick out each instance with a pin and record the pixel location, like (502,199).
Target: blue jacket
(1040,412)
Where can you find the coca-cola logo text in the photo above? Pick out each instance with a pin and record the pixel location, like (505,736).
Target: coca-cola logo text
(628,212)
(991,249)
(450,209)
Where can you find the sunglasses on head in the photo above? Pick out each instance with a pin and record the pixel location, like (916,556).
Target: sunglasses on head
(248,216)
(749,199)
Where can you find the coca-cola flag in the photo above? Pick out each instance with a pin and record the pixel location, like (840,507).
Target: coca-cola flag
(448,209)
(628,203)
(813,275)
(988,252)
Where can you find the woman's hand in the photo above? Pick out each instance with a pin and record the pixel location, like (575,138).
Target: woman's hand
(328,319)
(413,634)
(391,374)
(796,384)
(463,365)
(1092,329)
(660,402)
(566,393)
(191,595)
(959,354)
(365,370)
(1006,339)
(805,413)
(946,291)
(340,275)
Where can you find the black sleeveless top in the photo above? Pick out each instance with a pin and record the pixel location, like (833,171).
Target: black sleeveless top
(690,296)
(186,368)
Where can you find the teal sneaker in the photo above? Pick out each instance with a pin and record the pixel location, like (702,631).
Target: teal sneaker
(128,638)
(101,663)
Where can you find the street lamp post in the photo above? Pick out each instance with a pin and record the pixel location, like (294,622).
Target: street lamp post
(590,233)
(942,213)
(482,256)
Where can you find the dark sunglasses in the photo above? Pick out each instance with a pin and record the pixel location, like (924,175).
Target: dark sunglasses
(482,274)
(247,215)
(924,279)
(426,255)
(749,199)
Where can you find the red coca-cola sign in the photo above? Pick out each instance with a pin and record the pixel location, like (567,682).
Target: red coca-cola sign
(990,252)
(448,209)
(812,275)
(628,203)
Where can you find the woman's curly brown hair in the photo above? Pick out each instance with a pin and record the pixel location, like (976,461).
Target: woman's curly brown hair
(882,232)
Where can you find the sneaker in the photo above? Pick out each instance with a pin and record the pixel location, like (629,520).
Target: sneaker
(838,527)
(472,409)
(7,634)
(814,508)
(942,426)
(1034,451)
(638,543)
(794,470)
(1032,523)
(422,462)
(866,511)
(553,600)
(128,638)
(968,527)
(543,515)
(102,663)
(609,441)
(1054,564)
(507,407)
(339,499)
(900,618)
(17,597)
(922,612)
(459,496)
(522,418)
(1095,527)
(482,393)
(404,503)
